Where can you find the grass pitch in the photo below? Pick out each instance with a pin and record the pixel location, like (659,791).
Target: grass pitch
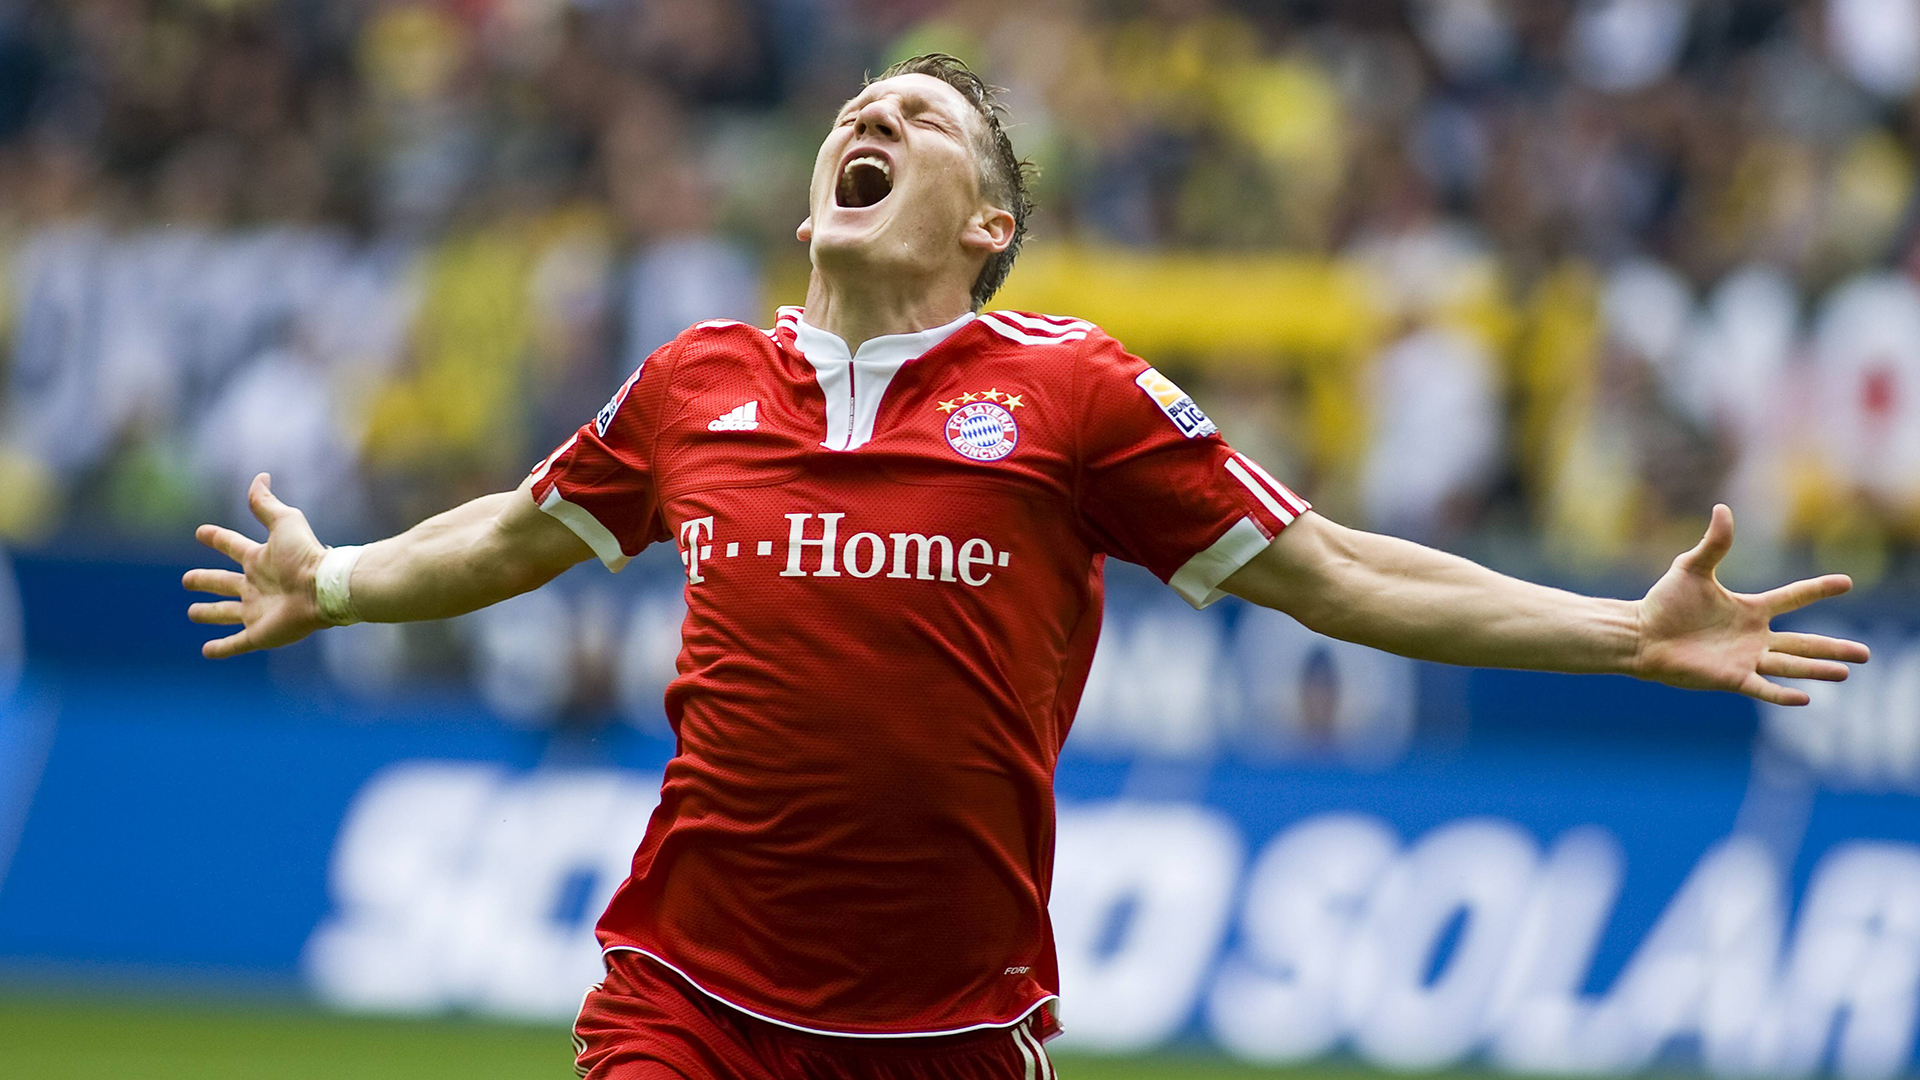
(59,1038)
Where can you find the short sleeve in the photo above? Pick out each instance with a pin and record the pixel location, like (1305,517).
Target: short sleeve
(600,482)
(1158,486)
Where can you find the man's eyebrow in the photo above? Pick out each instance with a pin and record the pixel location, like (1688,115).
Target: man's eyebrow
(912,101)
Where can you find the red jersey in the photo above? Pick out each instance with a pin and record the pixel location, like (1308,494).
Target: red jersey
(893,591)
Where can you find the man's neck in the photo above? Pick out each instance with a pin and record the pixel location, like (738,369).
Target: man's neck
(857,311)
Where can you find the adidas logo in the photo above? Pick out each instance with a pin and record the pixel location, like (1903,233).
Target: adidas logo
(741,418)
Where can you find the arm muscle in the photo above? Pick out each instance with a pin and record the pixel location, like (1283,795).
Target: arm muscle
(476,554)
(1399,596)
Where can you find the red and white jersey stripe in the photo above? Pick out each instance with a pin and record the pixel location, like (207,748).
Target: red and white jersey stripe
(1274,495)
(788,319)
(1029,329)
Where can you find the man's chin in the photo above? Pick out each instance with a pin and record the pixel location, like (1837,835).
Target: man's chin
(849,248)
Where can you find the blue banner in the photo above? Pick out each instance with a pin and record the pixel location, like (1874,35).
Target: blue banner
(1279,845)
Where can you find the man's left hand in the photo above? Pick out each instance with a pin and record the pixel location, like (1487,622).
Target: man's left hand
(1697,633)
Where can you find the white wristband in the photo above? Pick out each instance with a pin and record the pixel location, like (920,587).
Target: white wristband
(333,585)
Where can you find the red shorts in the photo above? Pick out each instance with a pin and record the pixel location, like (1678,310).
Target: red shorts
(647,1023)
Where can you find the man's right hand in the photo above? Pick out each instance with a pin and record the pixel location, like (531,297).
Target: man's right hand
(275,602)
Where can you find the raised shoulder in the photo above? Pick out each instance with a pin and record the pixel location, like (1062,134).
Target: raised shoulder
(1032,328)
(717,339)
(714,328)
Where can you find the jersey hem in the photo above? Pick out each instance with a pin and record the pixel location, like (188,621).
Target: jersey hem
(587,527)
(791,1026)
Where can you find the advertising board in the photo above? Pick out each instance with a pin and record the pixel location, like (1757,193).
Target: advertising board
(1269,843)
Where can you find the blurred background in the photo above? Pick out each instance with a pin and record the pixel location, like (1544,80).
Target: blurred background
(1537,281)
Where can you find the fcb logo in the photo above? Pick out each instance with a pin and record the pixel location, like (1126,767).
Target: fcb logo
(982,431)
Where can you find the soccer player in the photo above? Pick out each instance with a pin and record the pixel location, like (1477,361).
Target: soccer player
(893,510)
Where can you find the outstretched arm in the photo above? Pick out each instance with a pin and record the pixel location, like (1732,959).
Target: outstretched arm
(1689,630)
(476,554)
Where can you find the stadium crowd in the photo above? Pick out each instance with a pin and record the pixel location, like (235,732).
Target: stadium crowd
(1527,274)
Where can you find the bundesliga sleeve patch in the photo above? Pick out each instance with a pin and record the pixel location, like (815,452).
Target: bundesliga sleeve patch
(604,420)
(1176,404)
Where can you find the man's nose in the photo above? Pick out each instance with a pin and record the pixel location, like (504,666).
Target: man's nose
(879,118)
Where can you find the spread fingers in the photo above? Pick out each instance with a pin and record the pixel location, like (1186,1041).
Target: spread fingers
(231,645)
(1773,692)
(1821,647)
(217,613)
(225,541)
(1781,665)
(222,582)
(1801,593)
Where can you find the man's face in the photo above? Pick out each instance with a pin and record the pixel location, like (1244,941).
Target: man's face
(896,184)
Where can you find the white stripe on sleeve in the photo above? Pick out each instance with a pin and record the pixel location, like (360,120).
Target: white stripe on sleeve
(1266,498)
(1294,502)
(540,473)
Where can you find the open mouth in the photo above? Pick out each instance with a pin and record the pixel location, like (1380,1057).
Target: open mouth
(864,181)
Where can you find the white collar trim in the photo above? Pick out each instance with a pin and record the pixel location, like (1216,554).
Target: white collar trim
(854,385)
(824,345)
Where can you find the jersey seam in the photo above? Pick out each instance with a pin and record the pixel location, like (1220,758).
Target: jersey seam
(660,420)
(1057,737)
(1090,532)
(1075,487)
(682,493)
(1079,435)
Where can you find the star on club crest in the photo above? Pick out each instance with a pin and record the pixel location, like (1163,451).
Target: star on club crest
(993,394)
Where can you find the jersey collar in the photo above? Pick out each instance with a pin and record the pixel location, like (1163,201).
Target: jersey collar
(820,346)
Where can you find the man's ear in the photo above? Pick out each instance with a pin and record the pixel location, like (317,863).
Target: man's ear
(804,233)
(989,232)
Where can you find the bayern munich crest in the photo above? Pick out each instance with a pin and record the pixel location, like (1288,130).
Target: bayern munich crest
(982,431)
